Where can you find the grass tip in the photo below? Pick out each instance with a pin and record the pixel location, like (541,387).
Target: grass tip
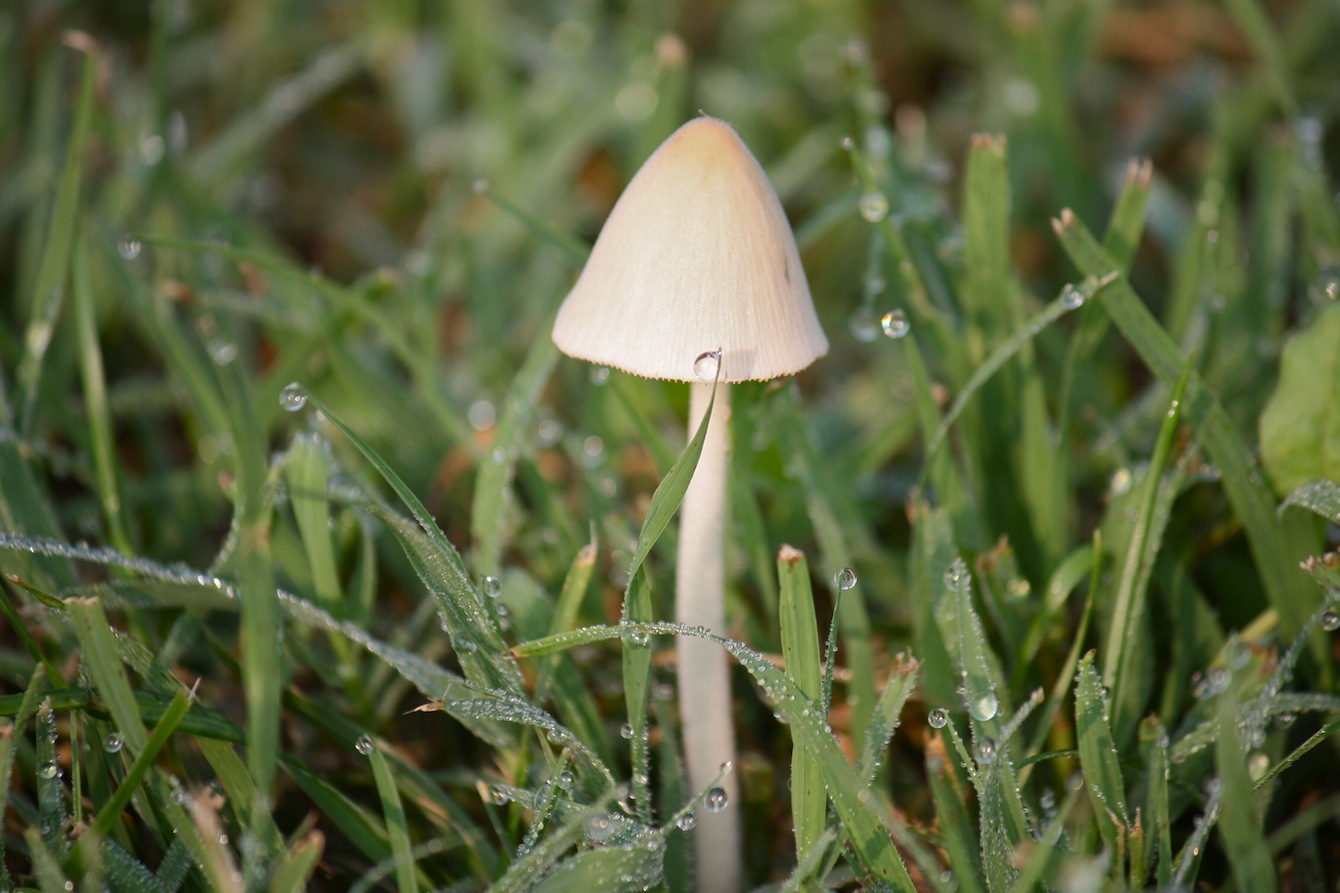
(789,554)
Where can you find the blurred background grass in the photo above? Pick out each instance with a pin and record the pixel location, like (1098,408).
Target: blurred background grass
(387,201)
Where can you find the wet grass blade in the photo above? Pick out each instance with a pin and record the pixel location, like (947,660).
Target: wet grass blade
(498,465)
(1098,758)
(397,828)
(636,679)
(800,648)
(1128,608)
(1276,551)
(294,871)
(54,268)
(1242,816)
(96,410)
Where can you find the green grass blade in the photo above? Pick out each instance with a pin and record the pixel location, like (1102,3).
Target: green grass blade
(294,871)
(99,652)
(1320,497)
(51,805)
(800,648)
(487,518)
(54,268)
(897,688)
(145,759)
(1277,553)
(397,827)
(96,411)
(1156,818)
(1240,822)
(1128,610)
(636,678)
(987,293)
(1261,34)
(307,473)
(1098,758)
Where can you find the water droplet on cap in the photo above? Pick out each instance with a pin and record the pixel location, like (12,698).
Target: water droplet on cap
(895,324)
(292,398)
(706,365)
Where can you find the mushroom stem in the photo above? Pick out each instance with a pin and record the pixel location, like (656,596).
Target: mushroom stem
(704,678)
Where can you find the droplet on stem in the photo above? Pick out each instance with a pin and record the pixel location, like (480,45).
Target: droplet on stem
(895,324)
(845,579)
(717,800)
(938,718)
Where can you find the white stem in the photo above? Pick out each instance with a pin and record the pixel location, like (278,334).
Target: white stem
(704,677)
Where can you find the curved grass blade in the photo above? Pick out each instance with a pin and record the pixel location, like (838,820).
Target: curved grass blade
(393,810)
(1099,760)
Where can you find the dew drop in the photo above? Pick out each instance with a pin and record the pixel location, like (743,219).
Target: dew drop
(726,766)
(221,351)
(874,206)
(363,745)
(986,751)
(1330,621)
(600,375)
(113,742)
(292,398)
(638,639)
(938,718)
(466,646)
(845,579)
(129,247)
(983,708)
(864,325)
(706,365)
(626,731)
(599,827)
(954,574)
(500,796)
(717,800)
(1072,297)
(895,324)
(49,770)
(491,586)
(1257,766)
(687,822)
(1286,720)
(565,781)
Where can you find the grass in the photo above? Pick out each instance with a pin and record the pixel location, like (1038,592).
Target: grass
(1039,592)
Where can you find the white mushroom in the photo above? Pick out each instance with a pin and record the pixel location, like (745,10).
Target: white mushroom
(697,256)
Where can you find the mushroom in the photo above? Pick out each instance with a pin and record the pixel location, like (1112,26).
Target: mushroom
(694,277)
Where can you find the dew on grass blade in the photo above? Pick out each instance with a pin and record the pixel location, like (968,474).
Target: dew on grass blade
(626,731)
(129,247)
(292,398)
(895,324)
(874,206)
(687,822)
(845,579)
(717,800)
(983,707)
(706,365)
(492,586)
(221,351)
(599,827)
(938,718)
(1330,621)
(113,742)
(986,751)
(49,770)
(363,745)
(955,573)
(864,324)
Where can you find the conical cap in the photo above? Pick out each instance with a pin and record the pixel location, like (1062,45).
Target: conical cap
(696,255)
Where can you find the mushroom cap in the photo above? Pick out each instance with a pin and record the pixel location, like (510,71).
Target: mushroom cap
(696,256)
